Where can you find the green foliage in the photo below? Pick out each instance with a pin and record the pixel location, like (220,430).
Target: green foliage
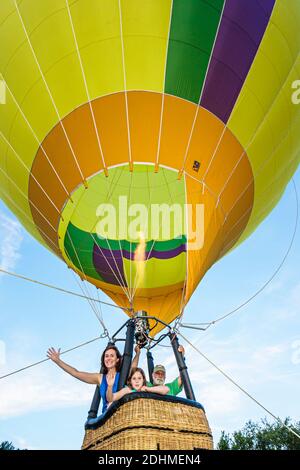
(262,436)
(5,445)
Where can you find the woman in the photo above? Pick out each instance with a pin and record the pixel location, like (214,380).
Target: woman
(111,361)
(136,383)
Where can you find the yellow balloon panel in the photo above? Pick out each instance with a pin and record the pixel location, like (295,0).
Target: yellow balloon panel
(7,9)
(145,29)
(12,193)
(54,48)
(3,176)
(226,123)
(12,42)
(268,195)
(266,106)
(97,26)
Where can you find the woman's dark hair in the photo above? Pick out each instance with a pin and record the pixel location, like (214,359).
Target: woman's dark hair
(119,356)
(132,372)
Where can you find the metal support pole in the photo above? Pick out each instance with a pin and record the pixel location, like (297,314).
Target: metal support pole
(93,412)
(187,385)
(127,356)
(150,363)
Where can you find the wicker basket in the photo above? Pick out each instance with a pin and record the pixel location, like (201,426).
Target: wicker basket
(143,423)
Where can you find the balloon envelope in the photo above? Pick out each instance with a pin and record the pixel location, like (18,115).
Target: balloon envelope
(115,107)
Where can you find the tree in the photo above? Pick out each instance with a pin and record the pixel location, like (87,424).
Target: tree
(262,436)
(5,445)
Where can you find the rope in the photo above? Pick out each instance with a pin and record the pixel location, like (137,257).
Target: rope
(85,296)
(92,305)
(183,300)
(125,85)
(163,94)
(26,197)
(135,286)
(182,306)
(240,388)
(120,281)
(19,276)
(205,186)
(261,167)
(57,112)
(86,87)
(268,281)
(84,288)
(202,90)
(130,264)
(48,359)
(61,123)
(100,307)
(110,191)
(255,133)
(42,148)
(19,209)
(53,102)
(49,92)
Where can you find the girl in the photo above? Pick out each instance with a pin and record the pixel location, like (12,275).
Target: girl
(136,383)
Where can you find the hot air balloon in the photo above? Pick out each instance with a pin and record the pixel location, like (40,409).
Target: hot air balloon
(114,107)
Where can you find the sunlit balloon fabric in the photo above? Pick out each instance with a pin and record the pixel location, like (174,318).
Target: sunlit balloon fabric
(158,101)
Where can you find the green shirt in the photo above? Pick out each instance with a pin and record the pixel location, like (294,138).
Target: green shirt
(173,387)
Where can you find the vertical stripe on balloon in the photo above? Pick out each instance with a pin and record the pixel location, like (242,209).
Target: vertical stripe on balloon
(241,30)
(194,27)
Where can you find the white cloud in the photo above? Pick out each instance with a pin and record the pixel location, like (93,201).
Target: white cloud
(22,443)
(285,304)
(251,365)
(36,391)
(2,353)
(295,295)
(46,387)
(274,286)
(220,399)
(268,353)
(43,387)
(11,237)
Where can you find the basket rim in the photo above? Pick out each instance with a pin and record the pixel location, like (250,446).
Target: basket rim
(94,423)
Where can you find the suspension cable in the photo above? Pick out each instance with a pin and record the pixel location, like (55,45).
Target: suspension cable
(48,359)
(279,420)
(94,306)
(60,289)
(60,121)
(84,288)
(206,325)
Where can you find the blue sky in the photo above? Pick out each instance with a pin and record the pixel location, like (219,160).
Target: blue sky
(259,346)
